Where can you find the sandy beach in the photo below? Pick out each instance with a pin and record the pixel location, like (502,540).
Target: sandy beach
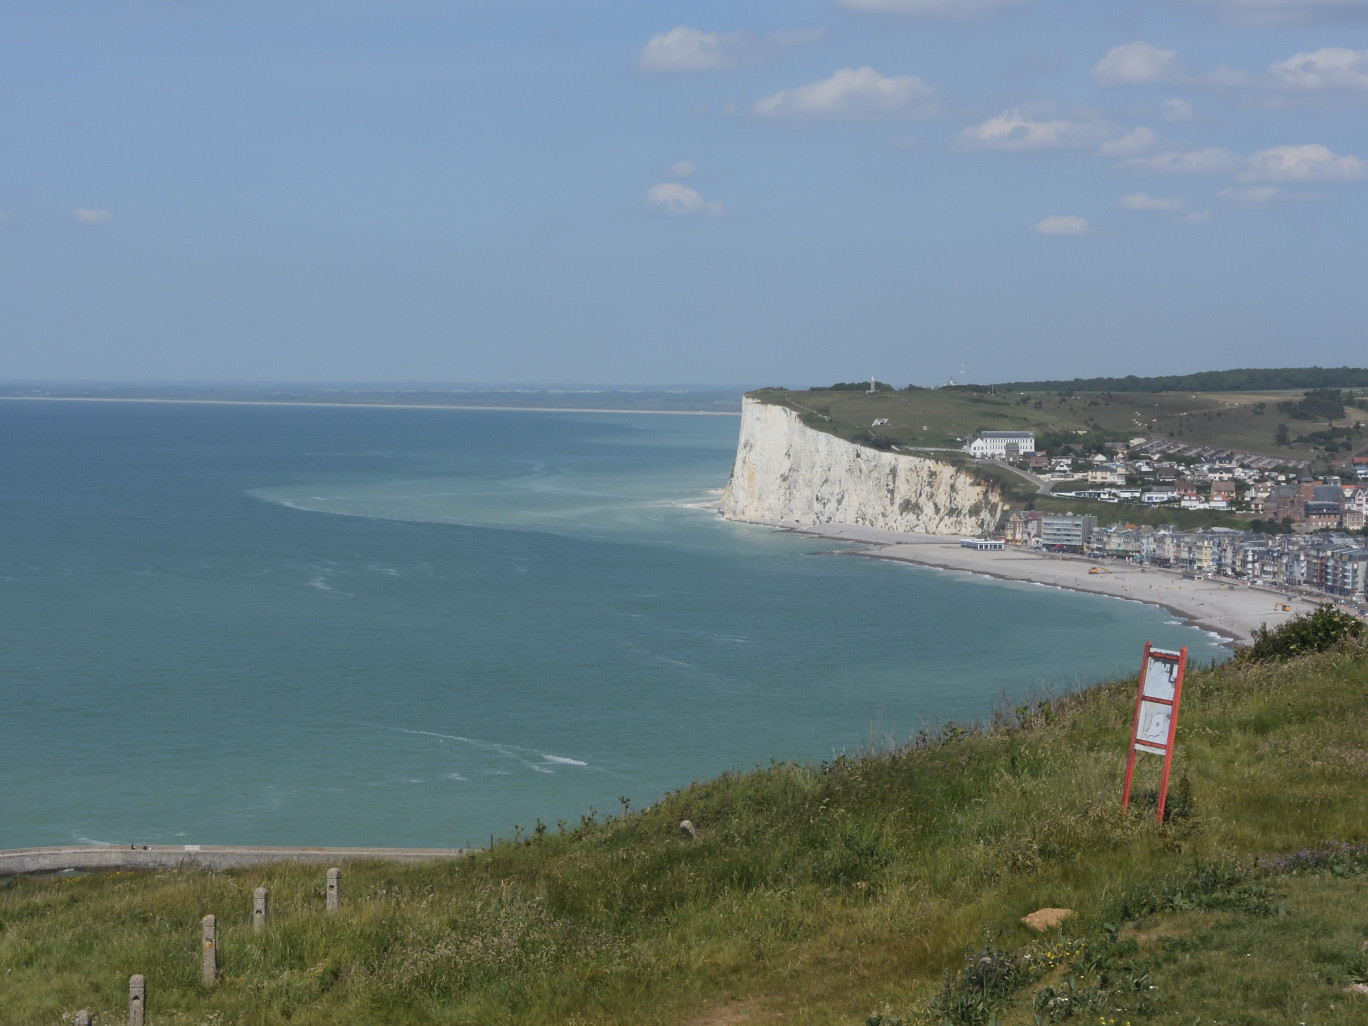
(1226,608)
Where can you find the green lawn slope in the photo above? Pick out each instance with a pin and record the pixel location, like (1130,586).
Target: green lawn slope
(885,889)
(945,417)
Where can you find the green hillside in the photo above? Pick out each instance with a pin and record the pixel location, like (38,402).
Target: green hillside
(944,417)
(1244,379)
(881,888)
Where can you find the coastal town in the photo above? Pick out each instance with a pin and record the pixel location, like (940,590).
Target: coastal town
(1305,533)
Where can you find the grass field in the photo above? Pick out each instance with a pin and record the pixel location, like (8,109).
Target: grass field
(1021,494)
(946,416)
(865,889)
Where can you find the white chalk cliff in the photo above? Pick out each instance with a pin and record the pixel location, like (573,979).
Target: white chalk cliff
(786,471)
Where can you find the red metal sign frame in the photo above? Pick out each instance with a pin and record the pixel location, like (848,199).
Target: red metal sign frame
(1154,694)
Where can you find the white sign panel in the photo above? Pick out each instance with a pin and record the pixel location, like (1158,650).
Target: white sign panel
(1152,726)
(1161,676)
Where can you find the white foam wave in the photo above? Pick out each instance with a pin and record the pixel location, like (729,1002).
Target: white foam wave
(526,756)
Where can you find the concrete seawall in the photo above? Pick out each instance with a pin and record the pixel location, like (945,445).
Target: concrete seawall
(107,858)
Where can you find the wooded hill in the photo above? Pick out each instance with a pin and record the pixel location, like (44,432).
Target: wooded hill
(1247,379)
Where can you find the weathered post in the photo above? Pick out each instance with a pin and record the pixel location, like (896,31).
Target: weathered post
(82,1018)
(260,909)
(209,949)
(137,999)
(334,889)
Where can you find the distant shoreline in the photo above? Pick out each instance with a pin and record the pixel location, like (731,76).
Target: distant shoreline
(360,405)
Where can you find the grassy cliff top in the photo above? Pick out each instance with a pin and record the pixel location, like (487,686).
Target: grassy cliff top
(946,417)
(883,888)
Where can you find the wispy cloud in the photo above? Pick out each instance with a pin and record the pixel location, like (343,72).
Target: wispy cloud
(1137,140)
(1265,195)
(1282,12)
(682,169)
(678,200)
(685,49)
(1310,163)
(941,10)
(1063,224)
(1211,160)
(1013,131)
(854,92)
(1330,68)
(1136,64)
(1176,110)
(85,215)
(1141,201)
(1175,207)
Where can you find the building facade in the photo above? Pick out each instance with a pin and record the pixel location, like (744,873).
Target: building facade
(995,444)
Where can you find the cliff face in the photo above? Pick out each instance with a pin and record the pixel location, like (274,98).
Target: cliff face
(785,471)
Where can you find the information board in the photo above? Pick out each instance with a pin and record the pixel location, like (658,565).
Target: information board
(1156,715)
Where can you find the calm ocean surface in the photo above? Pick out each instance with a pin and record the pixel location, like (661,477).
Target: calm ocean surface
(279,625)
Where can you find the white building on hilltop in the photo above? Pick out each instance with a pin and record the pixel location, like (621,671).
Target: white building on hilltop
(989,444)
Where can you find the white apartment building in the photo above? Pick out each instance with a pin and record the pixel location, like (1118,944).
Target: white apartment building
(990,444)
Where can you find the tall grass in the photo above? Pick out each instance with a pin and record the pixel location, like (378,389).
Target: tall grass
(813,893)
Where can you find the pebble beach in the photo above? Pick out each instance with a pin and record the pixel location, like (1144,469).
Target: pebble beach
(1232,610)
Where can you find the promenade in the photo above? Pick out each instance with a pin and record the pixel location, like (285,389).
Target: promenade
(91,858)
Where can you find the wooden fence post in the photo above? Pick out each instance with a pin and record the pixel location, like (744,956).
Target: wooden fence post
(334,889)
(137,999)
(209,949)
(260,909)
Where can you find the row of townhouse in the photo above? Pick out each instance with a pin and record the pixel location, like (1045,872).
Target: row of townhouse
(1334,564)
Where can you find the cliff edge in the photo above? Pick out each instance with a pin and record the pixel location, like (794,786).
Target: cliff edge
(785,471)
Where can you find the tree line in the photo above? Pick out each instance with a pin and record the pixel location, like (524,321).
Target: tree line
(1239,380)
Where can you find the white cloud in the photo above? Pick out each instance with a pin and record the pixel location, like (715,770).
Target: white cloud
(1140,201)
(854,92)
(1309,163)
(1175,110)
(1136,64)
(682,169)
(1263,195)
(944,10)
(1012,131)
(86,216)
(1209,161)
(680,201)
(1175,207)
(1332,67)
(1137,140)
(1063,224)
(1283,12)
(1258,196)
(1328,76)
(684,49)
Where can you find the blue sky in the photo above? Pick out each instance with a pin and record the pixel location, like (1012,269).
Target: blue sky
(652,193)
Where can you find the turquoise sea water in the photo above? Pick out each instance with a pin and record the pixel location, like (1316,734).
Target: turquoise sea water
(283,625)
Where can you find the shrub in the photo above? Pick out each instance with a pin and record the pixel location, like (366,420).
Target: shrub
(1317,631)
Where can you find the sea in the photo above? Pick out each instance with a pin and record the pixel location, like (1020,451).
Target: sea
(314,625)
